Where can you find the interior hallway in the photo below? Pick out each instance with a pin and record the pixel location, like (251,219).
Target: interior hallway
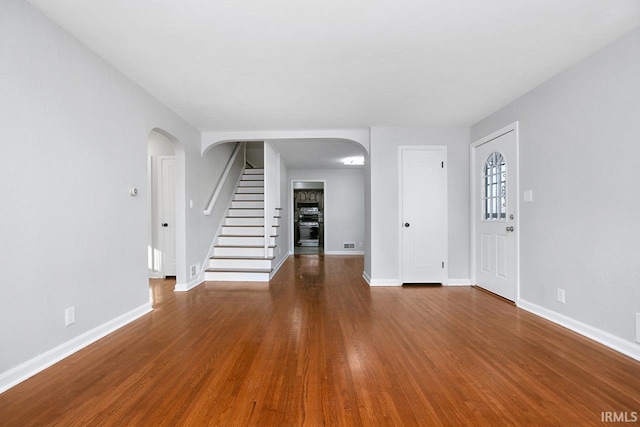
(318,346)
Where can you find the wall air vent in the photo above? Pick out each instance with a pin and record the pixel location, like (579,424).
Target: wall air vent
(349,245)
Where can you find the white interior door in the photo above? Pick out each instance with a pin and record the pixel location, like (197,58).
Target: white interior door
(423,200)
(495,187)
(167,215)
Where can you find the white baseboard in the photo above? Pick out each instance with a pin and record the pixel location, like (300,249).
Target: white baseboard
(384,282)
(184,287)
(31,367)
(366,278)
(627,348)
(459,282)
(277,267)
(344,253)
(371,282)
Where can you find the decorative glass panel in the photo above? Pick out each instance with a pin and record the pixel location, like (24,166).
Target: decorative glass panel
(495,187)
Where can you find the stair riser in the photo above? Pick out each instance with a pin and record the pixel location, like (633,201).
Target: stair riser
(246,212)
(251,183)
(249,196)
(253,176)
(244,231)
(245,241)
(248,204)
(244,221)
(256,171)
(235,276)
(239,263)
(250,190)
(219,251)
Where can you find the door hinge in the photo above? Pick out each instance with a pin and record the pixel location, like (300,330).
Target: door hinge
(442,165)
(442,264)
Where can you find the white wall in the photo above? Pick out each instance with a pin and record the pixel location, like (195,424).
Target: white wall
(272,184)
(343,204)
(385,221)
(74,141)
(367,218)
(255,154)
(214,163)
(579,151)
(283,231)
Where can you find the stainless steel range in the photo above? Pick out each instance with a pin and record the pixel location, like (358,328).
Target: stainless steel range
(308,225)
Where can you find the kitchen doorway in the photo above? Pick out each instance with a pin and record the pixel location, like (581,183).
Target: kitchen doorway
(308,213)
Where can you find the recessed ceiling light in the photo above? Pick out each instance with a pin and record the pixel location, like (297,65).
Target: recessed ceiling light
(354,161)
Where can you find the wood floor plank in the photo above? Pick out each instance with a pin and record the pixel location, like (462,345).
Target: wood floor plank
(317,346)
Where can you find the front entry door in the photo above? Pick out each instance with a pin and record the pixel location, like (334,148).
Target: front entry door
(495,178)
(423,224)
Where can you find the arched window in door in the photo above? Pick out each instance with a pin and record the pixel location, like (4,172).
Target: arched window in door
(495,188)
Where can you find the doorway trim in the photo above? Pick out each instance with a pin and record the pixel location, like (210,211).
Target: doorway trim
(292,213)
(513,127)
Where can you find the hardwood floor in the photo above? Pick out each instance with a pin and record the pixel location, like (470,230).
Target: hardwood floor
(316,346)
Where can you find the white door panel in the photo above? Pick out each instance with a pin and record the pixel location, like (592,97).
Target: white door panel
(424,214)
(167,215)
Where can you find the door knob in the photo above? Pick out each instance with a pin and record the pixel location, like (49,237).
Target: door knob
(510,228)
(406,224)
(164,224)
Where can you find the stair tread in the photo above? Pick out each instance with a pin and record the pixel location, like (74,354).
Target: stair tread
(251,258)
(235,216)
(243,246)
(245,225)
(239,270)
(246,235)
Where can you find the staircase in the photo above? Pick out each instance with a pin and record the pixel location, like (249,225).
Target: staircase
(239,253)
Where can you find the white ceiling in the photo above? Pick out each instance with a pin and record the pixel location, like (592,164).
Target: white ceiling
(244,65)
(317,154)
(291,64)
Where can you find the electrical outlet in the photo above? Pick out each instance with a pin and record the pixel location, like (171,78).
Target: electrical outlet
(69,316)
(638,327)
(561,295)
(361,244)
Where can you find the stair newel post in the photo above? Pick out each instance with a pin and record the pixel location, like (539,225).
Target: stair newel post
(266,200)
